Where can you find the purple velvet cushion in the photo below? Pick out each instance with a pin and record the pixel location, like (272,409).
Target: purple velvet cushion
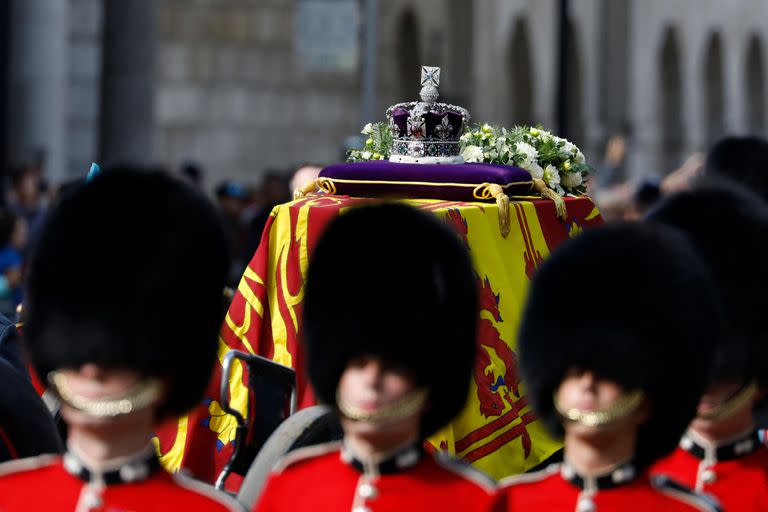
(381,178)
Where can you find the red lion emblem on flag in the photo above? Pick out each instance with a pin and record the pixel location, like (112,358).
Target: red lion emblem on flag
(494,354)
(495,373)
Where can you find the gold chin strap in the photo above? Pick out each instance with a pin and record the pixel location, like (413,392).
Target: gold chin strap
(620,409)
(728,407)
(142,395)
(390,413)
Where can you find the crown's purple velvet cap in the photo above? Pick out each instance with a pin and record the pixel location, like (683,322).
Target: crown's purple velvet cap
(400,117)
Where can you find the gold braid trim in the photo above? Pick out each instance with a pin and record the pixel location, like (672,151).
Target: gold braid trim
(421,183)
(618,410)
(728,407)
(494,191)
(484,191)
(390,413)
(547,193)
(327,185)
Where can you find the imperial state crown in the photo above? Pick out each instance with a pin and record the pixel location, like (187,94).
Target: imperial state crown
(427,131)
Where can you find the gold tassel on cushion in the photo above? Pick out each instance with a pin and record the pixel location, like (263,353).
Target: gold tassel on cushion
(547,193)
(492,190)
(324,184)
(305,189)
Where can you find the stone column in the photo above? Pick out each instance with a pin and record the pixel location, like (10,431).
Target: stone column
(38,85)
(694,93)
(127,120)
(485,65)
(643,158)
(735,83)
(460,36)
(5,43)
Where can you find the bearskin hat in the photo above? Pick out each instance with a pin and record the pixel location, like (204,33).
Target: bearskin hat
(728,226)
(647,319)
(743,160)
(390,281)
(128,272)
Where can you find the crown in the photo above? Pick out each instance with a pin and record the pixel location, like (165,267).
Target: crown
(427,131)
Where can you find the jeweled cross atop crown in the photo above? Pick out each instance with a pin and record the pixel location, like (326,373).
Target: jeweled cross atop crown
(430,76)
(430,80)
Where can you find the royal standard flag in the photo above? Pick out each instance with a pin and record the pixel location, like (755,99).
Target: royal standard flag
(497,430)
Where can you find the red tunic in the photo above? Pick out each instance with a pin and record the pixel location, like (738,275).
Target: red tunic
(735,472)
(43,483)
(557,490)
(327,477)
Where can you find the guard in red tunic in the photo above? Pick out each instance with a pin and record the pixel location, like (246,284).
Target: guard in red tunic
(123,309)
(620,378)
(389,325)
(721,453)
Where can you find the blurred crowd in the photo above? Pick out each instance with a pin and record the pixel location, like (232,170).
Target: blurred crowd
(246,208)
(26,195)
(622,197)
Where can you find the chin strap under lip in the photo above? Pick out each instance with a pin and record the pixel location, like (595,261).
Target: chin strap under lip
(729,406)
(406,406)
(142,395)
(621,408)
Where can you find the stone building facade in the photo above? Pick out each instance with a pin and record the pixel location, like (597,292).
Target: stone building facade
(219,82)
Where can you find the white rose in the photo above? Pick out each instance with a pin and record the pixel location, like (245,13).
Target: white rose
(551,176)
(579,158)
(526,149)
(536,171)
(367,129)
(528,162)
(572,179)
(366,155)
(472,154)
(467,137)
(568,149)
